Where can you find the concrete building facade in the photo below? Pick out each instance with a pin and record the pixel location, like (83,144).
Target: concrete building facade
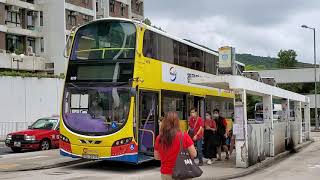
(38,29)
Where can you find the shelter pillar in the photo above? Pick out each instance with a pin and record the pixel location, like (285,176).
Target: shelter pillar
(298,120)
(307,120)
(269,126)
(240,129)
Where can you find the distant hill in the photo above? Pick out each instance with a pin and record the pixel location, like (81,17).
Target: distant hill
(267,62)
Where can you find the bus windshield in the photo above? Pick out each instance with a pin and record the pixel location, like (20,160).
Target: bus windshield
(105,40)
(96,111)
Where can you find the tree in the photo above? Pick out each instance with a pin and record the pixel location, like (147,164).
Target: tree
(147,21)
(287,58)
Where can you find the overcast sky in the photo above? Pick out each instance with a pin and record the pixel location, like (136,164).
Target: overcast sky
(259,27)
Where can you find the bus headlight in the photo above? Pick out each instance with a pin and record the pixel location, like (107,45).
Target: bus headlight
(122,141)
(64,139)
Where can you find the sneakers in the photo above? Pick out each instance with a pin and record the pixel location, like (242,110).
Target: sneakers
(210,161)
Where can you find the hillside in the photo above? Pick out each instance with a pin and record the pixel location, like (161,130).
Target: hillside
(266,62)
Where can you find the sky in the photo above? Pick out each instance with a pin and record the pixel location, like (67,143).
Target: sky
(259,27)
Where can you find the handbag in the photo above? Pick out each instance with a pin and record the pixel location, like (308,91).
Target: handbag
(185,167)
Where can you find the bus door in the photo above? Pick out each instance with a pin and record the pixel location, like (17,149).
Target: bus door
(148,121)
(199,103)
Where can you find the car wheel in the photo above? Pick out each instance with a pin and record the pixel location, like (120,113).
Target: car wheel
(16,150)
(45,145)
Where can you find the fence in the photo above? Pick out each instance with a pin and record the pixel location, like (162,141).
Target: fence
(8,127)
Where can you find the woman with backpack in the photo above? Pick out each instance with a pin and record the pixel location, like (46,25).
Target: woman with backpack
(167,144)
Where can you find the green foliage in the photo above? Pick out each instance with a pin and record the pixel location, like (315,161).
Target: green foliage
(254,68)
(29,74)
(287,58)
(260,63)
(147,21)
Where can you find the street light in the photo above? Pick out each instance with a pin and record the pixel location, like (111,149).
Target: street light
(315,74)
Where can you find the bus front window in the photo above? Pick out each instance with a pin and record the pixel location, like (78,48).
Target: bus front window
(96,111)
(105,40)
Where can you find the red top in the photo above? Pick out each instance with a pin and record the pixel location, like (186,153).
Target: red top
(211,123)
(169,156)
(196,127)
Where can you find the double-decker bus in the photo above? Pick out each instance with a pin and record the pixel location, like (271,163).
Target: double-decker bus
(122,76)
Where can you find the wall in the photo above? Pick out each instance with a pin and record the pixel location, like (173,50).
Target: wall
(258,138)
(26,99)
(55,35)
(279,137)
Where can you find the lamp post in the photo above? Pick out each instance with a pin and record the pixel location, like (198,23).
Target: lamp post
(315,75)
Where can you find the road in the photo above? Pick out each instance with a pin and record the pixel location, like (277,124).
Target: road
(302,165)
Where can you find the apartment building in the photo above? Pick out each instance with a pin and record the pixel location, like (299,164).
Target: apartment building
(33,32)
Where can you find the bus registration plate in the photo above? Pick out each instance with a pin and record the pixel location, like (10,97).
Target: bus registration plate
(90,156)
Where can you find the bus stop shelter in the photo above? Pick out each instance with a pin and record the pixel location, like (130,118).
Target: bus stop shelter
(256,141)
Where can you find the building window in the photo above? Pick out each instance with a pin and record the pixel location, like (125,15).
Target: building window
(31,19)
(86,2)
(72,19)
(41,18)
(111,6)
(138,6)
(123,9)
(14,44)
(86,18)
(31,42)
(42,44)
(13,16)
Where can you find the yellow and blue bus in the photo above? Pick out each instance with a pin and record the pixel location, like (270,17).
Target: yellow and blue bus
(122,76)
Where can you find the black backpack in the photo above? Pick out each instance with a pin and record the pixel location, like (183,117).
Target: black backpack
(185,167)
(221,129)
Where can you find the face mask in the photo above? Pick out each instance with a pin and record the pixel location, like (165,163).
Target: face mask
(215,116)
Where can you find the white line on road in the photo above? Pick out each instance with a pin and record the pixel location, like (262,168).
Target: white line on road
(36,157)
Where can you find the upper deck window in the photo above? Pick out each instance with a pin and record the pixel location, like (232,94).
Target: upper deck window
(105,40)
(157,46)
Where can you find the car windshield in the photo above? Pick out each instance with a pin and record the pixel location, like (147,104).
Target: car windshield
(44,124)
(96,110)
(105,40)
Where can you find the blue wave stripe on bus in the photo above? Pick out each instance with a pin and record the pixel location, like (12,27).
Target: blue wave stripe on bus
(125,158)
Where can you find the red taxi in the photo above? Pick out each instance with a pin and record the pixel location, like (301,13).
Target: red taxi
(41,135)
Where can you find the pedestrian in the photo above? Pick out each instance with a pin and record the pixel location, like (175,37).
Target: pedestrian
(167,144)
(195,131)
(210,134)
(221,130)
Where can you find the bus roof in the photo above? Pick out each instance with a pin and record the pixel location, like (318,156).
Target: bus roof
(159,32)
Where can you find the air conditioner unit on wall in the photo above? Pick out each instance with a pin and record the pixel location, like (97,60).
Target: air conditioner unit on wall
(14,9)
(139,1)
(123,5)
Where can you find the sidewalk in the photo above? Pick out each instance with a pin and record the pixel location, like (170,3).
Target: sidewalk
(35,161)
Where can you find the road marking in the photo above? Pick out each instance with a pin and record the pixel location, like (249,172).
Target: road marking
(36,157)
(315,166)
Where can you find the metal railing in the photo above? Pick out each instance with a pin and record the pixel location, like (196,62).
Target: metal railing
(8,127)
